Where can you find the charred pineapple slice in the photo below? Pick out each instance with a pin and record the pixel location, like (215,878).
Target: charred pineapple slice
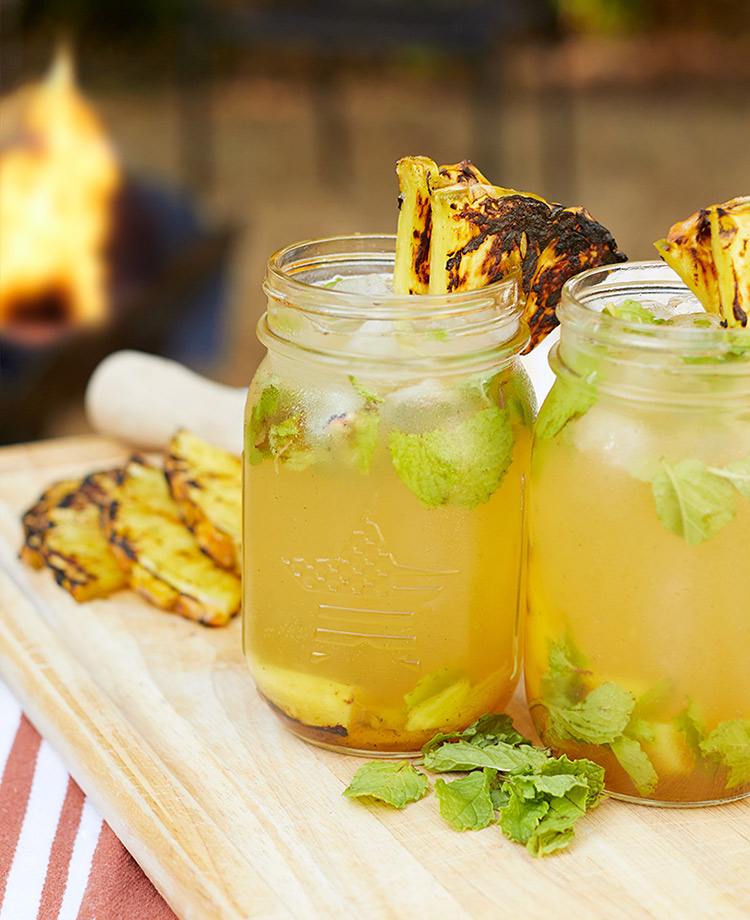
(710,251)
(206,483)
(163,560)
(481,232)
(418,178)
(63,532)
(457,232)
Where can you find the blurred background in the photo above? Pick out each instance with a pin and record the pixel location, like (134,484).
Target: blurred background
(154,153)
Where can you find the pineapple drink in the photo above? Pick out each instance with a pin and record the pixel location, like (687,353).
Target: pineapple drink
(638,630)
(386,448)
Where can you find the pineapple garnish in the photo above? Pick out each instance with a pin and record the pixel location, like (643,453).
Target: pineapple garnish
(710,251)
(457,232)
(418,178)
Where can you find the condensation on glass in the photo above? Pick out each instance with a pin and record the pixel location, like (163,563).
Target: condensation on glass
(638,629)
(386,449)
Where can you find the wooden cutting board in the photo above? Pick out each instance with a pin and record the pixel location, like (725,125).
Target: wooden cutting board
(233,818)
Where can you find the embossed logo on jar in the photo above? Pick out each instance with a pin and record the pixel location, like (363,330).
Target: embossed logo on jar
(377,596)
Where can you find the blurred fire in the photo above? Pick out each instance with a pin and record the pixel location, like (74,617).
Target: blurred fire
(58,179)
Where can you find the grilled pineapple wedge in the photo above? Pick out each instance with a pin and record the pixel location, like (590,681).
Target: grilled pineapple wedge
(457,232)
(710,251)
(206,483)
(418,178)
(62,531)
(163,560)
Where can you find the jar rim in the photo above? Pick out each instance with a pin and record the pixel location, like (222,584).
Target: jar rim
(281,283)
(647,277)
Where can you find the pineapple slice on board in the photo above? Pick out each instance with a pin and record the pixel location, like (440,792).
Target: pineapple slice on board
(710,251)
(206,483)
(163,560)
(62,531)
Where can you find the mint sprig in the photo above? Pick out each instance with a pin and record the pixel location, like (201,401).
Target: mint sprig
(535,798)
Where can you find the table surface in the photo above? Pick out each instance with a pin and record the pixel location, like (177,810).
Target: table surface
(231,817)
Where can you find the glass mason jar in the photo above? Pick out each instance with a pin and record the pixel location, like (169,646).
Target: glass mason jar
(638,633)
(387,441)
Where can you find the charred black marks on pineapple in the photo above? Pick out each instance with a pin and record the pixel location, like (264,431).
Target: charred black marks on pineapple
(549,243)
(422,252)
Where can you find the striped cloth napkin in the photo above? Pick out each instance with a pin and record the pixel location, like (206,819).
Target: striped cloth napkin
(58,859)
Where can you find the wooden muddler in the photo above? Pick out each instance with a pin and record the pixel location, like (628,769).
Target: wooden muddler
(144,399)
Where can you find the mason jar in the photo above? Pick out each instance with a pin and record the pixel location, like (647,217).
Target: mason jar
(638,629)
(387,441)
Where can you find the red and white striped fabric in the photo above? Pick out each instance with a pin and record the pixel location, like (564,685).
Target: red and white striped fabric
(58,859)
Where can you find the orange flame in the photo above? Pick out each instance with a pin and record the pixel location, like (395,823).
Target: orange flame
(58,176)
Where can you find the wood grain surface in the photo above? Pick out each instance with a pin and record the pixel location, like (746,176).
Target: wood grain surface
(231,817)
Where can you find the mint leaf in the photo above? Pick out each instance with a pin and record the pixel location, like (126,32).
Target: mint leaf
(266,406)
(691,501)
(729,745)
(459,466)
(587,771)
(690,723)
(396,784)
(521,816)
(738,473)
(367,395)
(566,401)
(599,718)
(463,756)
(565,680)
(466,803)
(485,731)
(541,811)
(365,438)
(636,763)
(555,830)
(633,312)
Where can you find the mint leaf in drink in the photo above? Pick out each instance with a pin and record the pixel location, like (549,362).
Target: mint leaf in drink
(460,756)
(738,473)
(599,718)
(365,437)
(565,680)
(729,745)
(633,312)
(396,784)
(257,426)
(460,466)
(691,501)
(466,803)
(636,763)
(566,401)
(690,723)
(367,395)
